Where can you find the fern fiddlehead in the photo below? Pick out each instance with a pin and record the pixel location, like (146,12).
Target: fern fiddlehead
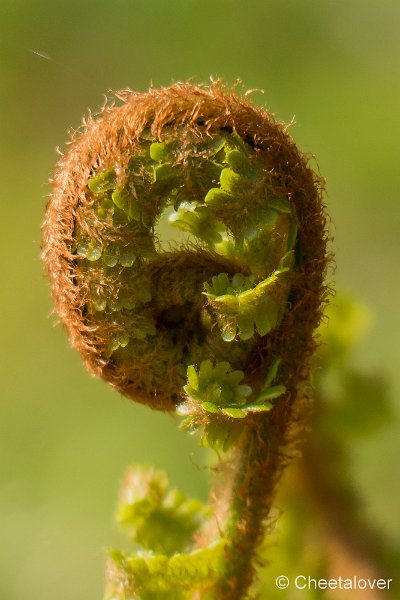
(220,326)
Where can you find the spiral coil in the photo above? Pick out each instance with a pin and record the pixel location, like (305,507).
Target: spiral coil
(229,177)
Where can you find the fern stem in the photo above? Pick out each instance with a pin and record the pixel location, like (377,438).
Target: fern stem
(268,445)
(252,495)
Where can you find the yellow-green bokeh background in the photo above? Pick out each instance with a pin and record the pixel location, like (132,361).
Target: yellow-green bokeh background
(65,437)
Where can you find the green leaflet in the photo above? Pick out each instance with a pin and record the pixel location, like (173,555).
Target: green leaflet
(163,172)
(223,285)
(269,394)
(163,152)
(120,341)
(199,221)
(211,147)
(239,162)
(232,182)
(102,182)
(272,372)
(93,252)
(89,249)
(127,256)
(111,255)
(105,208)
(192,377)
(123,200)
(217,198)
(235,413)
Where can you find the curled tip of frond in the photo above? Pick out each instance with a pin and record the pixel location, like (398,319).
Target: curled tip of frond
(124,301)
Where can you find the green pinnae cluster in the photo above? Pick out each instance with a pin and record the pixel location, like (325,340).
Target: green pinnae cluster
(130,328)
(218,392)
(157,518)
(134,291)
(237,214)
(220,193)
(242,306)
(218,388)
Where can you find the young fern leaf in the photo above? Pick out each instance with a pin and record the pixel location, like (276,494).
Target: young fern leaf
(221,326)
(160,523)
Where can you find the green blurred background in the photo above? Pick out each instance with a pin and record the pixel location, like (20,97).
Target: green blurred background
(65,437)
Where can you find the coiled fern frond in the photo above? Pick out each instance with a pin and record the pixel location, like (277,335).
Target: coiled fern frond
(220,325)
